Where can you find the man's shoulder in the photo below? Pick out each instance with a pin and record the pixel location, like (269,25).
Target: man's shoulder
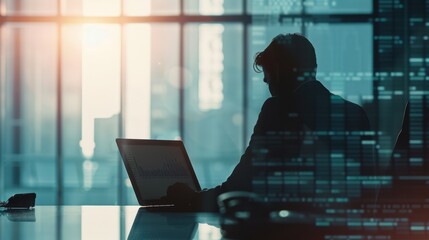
(336,99)
(350,106)
(355,115)
(320,95)
(273,103)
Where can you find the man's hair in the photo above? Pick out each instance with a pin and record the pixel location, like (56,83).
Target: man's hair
(290,53)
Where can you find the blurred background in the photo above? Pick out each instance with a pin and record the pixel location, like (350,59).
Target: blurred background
(76,74)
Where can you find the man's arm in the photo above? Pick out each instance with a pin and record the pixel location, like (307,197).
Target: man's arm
(241,177)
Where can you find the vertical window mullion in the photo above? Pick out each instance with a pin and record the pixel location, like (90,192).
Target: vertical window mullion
(1,103)
(245,73)
(59,153)
(121,121)
(181,73)
(121,196)
(1,107)
(121,127)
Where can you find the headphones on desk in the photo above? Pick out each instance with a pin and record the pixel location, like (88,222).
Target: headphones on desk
(242,207)
(239,211)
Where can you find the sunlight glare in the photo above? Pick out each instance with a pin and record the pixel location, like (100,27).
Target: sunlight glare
(137,8)
(210,85)
(100,79)
(101,7)
(100,222)
(2,8)
(137,112)
(212,7)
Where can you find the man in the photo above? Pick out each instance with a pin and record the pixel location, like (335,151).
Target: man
(294,125)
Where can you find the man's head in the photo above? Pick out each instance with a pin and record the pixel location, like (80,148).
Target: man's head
(288,59)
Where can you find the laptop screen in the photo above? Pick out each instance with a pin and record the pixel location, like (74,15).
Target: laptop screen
(154,165)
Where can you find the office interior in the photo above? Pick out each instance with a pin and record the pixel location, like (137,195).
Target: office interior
(77,74)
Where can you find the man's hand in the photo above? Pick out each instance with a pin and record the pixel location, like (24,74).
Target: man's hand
(182,195)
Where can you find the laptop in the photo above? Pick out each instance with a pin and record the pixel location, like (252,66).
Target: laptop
(153,166)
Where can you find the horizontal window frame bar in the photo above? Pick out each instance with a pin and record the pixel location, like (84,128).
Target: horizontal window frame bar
(246,19)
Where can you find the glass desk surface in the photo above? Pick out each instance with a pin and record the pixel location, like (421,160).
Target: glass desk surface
(105,222)
(132,222)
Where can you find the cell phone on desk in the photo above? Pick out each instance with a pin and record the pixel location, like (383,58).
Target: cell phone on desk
(20,201)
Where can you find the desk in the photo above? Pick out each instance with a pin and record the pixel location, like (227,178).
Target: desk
(106,222)
(131,222)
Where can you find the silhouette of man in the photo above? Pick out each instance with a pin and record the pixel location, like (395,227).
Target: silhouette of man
(299,104)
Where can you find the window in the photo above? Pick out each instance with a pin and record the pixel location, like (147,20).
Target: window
(75,75)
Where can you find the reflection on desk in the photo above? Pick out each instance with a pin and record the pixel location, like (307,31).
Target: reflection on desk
(169,227)
(19,215)
(106,222)
(389,221)
(162,225)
